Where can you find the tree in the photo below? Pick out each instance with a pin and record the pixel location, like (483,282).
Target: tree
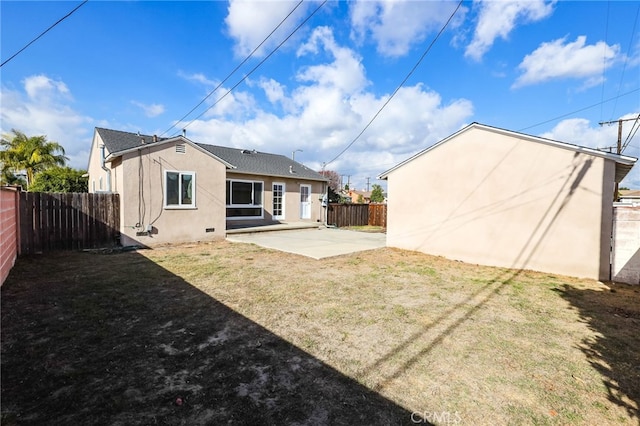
(31,154)
(334,179)
(60,179)
(7,177)
(377,195)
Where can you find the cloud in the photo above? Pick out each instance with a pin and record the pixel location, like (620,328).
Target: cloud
(496,19)
(396,26)
(43,109)
(561,59)
(250,22)
(580,131)
(152,110)
(327,108)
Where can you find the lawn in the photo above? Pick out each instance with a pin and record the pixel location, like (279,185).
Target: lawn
(237,334)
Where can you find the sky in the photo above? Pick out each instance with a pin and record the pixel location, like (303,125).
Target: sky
(358,86)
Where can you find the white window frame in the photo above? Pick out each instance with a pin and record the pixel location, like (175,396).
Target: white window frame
(245,206)
(180,205)
(273,197)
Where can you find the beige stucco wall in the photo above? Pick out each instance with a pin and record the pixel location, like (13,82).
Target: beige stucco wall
(142,196)
(94,167)
(493,199)
(291,199)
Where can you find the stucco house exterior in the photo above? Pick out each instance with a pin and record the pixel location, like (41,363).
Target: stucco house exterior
(175,190)
(496,197)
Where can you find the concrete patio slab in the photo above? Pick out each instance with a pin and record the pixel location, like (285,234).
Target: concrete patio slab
(315,243)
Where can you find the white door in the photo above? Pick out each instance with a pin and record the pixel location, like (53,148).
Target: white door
(278,201)
(305,201)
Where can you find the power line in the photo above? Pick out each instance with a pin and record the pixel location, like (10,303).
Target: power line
(43,33)
(579,110)
(400,85)
(626,59)
(632,133)
(236,68)
(259,64)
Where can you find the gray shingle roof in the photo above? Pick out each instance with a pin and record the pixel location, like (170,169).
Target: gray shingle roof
(116,140)
(244,161)
(262,163)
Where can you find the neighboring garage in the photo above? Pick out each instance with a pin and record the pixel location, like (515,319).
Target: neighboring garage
(496,197)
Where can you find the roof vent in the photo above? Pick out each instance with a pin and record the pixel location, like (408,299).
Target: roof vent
(291,170)
(155,138)
(247,151)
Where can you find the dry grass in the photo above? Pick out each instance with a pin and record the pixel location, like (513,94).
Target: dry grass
(395,332)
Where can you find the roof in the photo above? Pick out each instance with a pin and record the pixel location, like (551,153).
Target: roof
(240,160)
(117,140)
(629,193)
(623,163)
(262,163)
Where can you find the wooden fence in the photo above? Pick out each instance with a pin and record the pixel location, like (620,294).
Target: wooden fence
(342,215)
(68,221)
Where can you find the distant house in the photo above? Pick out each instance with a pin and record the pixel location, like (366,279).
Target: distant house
(359,196)
(629,196)
(496,197)
(176,190)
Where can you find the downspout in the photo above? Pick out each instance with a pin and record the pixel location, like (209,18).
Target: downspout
(105,168)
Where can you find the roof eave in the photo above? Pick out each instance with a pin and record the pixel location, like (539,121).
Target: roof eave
(284,175)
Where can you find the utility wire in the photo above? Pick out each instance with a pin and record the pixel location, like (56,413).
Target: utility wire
(632,133)
(579,110)
(43,33)
(626,59)
(399,86)
(235,69)
(259,64)
(604,54)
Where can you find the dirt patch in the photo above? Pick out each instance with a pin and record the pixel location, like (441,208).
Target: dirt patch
(234,333)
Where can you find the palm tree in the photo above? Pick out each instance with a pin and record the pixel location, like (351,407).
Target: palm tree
(31,154)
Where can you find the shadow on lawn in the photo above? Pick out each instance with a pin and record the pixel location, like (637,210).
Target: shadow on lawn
(615,316)
(116,339)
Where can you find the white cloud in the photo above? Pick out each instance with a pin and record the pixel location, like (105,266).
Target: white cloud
(561,59)
(581,132)
(346,73)
(396,26)
(43,88)
(496,19)
(43,109)
(250,22)
(327,111)
(152,110)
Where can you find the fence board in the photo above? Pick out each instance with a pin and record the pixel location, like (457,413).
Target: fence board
(68,221)
(343,215)
(377,215)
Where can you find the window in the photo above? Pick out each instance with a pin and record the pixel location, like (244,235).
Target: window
(278,200)
(244,199)
(179,189)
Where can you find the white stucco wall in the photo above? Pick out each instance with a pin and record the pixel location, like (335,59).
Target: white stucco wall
(625,262)
(488,198)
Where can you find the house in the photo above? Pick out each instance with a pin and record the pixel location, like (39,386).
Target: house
(497,197)
(629,196)
(359,196)
(176,190)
